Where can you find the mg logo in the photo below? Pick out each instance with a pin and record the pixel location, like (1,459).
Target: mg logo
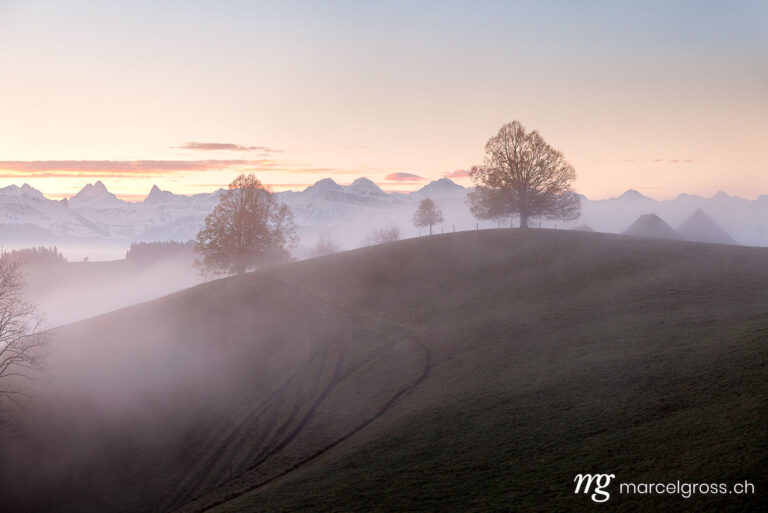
(601,481)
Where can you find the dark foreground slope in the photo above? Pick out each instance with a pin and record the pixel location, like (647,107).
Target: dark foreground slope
(476,371)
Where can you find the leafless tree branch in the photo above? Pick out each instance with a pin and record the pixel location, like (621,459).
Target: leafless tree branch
(22,340)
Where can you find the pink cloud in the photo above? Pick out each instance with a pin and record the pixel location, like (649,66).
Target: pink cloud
(203,146)
(459,173)
(148,168)
(674,161)
(404,177)
(125,166)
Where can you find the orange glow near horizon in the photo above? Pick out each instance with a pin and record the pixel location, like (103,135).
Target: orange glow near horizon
(664,99)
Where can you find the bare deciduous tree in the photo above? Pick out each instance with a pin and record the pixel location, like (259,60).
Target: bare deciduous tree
(22,340)
(383,235)
(325,246)
(248,227)
(523,175)
(427,214)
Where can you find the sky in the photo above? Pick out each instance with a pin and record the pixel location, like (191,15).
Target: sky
(661,97)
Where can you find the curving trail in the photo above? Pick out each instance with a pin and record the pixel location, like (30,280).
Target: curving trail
(203,473)
(389,404)
(213,472)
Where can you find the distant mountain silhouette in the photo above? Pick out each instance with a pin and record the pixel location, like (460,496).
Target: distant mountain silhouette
(93,193)
(157,195)
(652,226)
(583,228)
(365,187)
(441,187)
(354,210)
(702,228)
(633,195)
(325,187)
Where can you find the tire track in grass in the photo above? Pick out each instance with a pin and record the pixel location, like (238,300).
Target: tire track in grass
(304,421)
(213,472)
(189,488)
(199,477)
(258,453)
(426,370)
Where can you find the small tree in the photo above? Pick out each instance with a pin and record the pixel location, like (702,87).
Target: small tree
(523,176)
(383,235)
(22,341)
(325,246)
(427,214)
(248,227)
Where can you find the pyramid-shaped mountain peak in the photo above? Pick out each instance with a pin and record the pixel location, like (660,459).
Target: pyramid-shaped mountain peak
(652,226)
(700,227)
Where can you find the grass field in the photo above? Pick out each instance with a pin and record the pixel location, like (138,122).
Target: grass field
(476,371)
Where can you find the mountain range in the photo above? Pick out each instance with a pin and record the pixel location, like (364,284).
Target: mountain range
(95,216)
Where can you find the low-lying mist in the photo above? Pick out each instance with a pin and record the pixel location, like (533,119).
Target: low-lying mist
(73,291)
(146,386)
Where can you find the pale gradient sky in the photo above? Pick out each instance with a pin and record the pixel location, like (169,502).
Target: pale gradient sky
(663,97)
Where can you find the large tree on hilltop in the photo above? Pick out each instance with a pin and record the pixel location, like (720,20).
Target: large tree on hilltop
(524,176)
(248,227)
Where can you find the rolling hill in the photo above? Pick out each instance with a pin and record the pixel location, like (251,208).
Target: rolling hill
(477,371)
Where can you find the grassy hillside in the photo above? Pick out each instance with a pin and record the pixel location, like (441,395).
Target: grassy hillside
(477,371)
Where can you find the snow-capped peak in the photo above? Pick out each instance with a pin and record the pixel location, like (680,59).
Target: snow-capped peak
(157,195)
(632,194)
(324,188)
(366,187)
(441,187)
(25,190)
(96,192)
